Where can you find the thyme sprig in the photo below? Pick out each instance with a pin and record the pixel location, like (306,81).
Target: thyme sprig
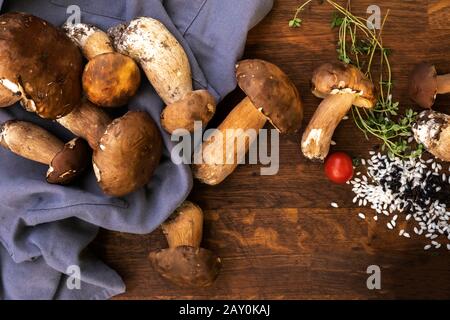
(363,47)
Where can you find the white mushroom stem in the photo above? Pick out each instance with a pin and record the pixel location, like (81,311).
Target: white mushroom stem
(88,122)
(220,156)
(91,40)
(317,138)
(443,84)
(185,227)
(160,55)
(432,129)
(30,141)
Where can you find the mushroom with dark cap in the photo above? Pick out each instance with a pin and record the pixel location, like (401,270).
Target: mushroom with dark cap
(184,263)
(65,161)
(167,67)
(39,66)
(127,150)
(110,79)
(432,129)
(341,86)
(425,84)
(271,96)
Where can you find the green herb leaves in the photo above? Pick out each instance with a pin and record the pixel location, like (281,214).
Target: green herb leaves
(295,23)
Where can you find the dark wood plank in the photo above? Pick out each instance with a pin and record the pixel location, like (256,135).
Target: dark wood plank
(277,235)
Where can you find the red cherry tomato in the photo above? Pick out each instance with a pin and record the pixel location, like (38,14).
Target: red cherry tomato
(339,167)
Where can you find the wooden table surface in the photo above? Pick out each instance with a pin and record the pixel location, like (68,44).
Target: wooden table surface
(277,235)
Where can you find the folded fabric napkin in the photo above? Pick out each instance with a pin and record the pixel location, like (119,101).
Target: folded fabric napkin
(45,229)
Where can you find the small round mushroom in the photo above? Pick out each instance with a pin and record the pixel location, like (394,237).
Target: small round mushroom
(341,86)
(425,84)
(271,96)
(184,263)
(432,129)
(110,79)
(167,67)
(66,161)
(127,150)
(39,66)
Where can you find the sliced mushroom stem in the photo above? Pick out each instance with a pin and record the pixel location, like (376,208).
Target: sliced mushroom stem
(220,156)
(185,226)
(88,122)
(317,138)
(30,141)
(443,84)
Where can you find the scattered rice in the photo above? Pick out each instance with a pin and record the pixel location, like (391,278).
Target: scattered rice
(413,190)
(334,205)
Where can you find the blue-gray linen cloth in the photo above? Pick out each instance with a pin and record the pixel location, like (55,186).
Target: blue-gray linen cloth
(46,228)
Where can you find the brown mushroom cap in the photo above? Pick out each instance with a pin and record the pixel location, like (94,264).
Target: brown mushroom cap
(127,154)
(70,162)
(41,62)
(111,79)
(272,93)
(423,85)
(197,105)
(186,266)
(330,77)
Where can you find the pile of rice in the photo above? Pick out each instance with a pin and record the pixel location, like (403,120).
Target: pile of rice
(412,190)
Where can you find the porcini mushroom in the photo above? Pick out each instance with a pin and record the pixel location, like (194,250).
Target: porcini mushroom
(341,86)
(110,79)
(65,161)
(167,67)
(39,66)
(184,263)
(432,129)
(425,84)
(127,150)
(271,96)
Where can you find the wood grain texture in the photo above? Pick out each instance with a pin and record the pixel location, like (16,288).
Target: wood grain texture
(277,235)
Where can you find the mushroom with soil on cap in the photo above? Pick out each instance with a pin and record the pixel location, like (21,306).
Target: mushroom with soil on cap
(425,84)
(184,263)
(167,67)
(39,66)
(271,96)
(341,86)
(127,150)
(66,161)
(110,79)
(432,129)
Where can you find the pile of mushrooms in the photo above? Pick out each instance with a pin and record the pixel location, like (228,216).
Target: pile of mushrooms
(185,263)
(340,86)
(127,150)
(271,96)
(167,67)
